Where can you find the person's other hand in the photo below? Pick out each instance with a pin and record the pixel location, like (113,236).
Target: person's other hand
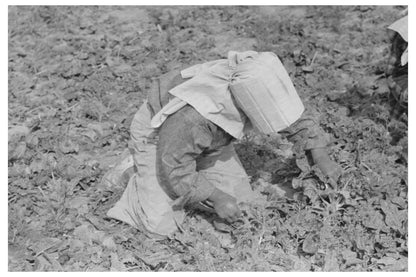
(225,206)
(328,167)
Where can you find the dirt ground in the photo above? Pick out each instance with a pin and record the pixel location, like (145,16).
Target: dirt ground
(77,75)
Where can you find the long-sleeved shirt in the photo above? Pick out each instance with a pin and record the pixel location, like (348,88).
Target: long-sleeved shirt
(186,135)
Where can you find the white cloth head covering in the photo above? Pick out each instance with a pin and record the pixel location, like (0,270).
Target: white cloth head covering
(401,27)
(227,91)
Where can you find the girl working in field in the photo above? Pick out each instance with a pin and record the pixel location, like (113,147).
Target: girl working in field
(182,139)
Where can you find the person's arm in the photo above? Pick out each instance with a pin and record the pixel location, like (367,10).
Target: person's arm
(306,135)
(181,142)
(182,139)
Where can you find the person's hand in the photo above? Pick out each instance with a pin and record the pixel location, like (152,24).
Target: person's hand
(328,167)
(225,206)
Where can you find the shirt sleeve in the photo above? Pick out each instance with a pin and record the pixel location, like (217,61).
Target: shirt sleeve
(182,139)
(306,134)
